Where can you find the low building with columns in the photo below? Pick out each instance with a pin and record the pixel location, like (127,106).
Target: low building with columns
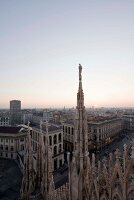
(55,135)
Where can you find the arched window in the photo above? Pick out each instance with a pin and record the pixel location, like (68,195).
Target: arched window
(55,150)
(60,148)
(50,140)
(55,139)
(60,137)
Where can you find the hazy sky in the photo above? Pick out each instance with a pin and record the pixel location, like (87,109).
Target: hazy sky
(42,42)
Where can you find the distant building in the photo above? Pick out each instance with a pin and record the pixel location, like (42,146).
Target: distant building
(15,112)
(27,117)
(4,121)
(128,122)
(102,131)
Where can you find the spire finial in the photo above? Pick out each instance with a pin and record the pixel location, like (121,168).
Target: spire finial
(80,71)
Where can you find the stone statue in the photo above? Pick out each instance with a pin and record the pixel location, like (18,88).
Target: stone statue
(80,71)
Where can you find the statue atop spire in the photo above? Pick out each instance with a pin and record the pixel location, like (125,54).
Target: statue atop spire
(80,71)
(80,94)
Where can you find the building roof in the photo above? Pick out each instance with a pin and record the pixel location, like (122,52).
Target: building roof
(51,128)
(69,122)
(9,129)
(103,120)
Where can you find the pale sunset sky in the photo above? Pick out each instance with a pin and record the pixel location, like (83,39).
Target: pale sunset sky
(42,42)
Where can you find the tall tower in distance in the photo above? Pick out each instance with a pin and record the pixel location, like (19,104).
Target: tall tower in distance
(15,112)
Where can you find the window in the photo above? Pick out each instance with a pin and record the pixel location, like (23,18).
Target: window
(95,130)
(72,130)
(44,139)
(1,140)
(36,136)
(50,140)
(94,138)
(11,155)
(11,140)
(60,137)
(6,140)
(22,147)
(60,149)
(68,130)
(1,154)
(11,148)
(55,150)
(55,139)
(6,148)
(60,163)
(6,155)
(55,164)
(21,139)
(35,147)
(1,147)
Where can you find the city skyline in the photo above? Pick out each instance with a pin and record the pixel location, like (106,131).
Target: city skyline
(43,43)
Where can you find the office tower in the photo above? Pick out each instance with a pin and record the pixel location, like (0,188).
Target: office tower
(15,112)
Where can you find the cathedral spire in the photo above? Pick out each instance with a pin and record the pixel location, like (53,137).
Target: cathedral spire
(80,123)
(80,157)
(80,94)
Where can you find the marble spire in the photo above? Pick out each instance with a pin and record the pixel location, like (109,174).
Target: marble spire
(80,156)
